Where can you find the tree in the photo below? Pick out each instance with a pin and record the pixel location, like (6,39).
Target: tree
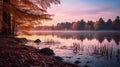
(90,25)
(101,24)
(96,25)
(1,15)
(116,24)
(6,19)
(74,26)
(67,24)
(109,24)
(25,13)
(81,25)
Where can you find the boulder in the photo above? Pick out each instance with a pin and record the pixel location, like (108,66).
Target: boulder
(58,59)
(47,51)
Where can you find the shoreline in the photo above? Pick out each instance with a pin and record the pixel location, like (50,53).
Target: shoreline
(14,53)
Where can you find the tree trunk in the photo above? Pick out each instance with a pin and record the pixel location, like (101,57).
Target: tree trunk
(6,20)
(1,4)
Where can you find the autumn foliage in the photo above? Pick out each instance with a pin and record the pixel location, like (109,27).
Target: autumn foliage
(25,14)
(90,25)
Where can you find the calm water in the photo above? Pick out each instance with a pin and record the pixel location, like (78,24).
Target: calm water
(95,49)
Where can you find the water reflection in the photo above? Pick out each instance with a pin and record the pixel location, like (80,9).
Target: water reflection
(102,49)
(100,36)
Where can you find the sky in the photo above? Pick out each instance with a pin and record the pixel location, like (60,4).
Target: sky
(75,10)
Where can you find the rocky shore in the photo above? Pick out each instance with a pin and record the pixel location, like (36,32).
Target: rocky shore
(15,54)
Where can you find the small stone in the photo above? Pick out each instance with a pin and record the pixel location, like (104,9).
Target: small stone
(68,57)
(78,58)
(86,66)
(37,41)
(88,62)
(77,62)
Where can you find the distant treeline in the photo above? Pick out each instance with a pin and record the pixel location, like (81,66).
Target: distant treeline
(90,25)
(82,25)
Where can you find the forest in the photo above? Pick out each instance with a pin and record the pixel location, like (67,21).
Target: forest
(82,25)
(90,25)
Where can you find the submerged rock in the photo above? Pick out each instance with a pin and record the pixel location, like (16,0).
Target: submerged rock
(78,58)
(88,62)
(47,51)
(68,57)
(86,66)
(77,62)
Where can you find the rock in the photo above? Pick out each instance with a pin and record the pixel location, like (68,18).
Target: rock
(14,55)
(37,41)
(77,62)
(66,64)
(86,66)
(68,57)
(88,62)
(78,58)
(22,40)
(47,51)
(58,58)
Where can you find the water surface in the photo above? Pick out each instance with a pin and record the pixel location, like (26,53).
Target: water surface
(92,48)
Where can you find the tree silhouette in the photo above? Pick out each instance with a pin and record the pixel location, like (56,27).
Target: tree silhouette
(81,25)
(109,24)
(6,19)
(1,15)
(101,23)
(90,25)
(24,13)
(116,23)
(67,24)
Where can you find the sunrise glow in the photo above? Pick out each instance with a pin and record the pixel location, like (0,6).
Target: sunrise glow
(74,10)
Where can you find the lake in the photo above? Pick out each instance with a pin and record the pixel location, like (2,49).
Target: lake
(92,48)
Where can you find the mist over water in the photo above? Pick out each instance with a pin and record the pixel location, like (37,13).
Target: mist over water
(92,48)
